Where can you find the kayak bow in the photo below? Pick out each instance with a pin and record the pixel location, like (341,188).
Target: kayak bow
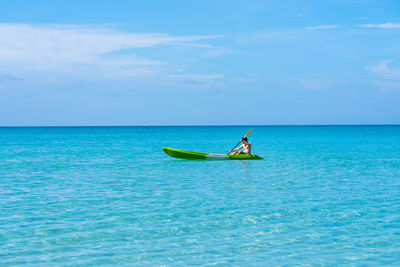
(182,154)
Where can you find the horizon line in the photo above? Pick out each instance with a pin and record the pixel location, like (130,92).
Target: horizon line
(193,125)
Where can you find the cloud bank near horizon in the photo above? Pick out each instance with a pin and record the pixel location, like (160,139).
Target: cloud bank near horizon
(388,25)
(54,53)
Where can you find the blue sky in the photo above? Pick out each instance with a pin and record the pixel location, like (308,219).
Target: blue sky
(199,62)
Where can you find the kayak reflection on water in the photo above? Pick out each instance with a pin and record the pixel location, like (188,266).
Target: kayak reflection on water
(246,146)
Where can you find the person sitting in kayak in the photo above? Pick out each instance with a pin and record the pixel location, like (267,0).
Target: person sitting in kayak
(246,146)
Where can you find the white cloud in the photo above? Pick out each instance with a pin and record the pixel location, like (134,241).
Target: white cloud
(272,35)
(210,80)
(388,25)
(382,68)
(87,52)
(322,27)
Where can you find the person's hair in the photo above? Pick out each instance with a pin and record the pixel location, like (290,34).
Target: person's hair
(244,139)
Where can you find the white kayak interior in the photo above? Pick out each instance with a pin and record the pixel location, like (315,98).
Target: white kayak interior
(216,156)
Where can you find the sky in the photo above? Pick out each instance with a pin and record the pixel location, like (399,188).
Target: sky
(286,62)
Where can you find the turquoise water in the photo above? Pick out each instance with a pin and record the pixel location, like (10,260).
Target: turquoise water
(109,195)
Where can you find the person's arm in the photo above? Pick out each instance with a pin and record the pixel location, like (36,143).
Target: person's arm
(237,149)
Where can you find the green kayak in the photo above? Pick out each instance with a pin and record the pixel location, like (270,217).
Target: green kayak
(182,154)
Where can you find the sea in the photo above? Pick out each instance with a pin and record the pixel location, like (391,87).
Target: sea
(110,196)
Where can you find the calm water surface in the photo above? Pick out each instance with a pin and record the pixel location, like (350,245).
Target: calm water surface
(327,195)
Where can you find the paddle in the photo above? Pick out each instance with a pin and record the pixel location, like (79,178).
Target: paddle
(249,131)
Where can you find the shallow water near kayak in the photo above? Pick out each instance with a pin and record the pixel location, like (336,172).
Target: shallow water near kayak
(325,195)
